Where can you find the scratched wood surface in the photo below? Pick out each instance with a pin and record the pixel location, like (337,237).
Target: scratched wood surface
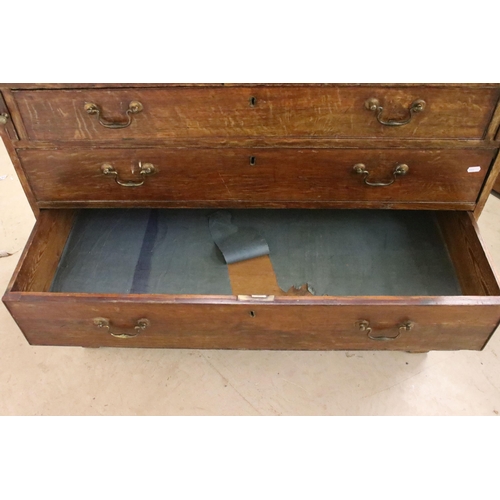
(277,111)
(162,85)
(253,277)
(268,142)
(261,176)
(197,116)
(287,323)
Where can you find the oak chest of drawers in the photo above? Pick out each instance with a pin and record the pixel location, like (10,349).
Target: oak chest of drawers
(365,196)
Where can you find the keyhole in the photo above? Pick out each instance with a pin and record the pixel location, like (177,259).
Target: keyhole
(252,160)
(253,101)
(252,314)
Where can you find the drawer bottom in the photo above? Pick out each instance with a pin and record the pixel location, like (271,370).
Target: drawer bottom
(330,252)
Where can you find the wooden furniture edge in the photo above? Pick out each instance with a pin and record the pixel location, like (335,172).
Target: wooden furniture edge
(487,186)
(41,255)
(491,133)
(473,265)
(60,86)
(266,143)
(6,132)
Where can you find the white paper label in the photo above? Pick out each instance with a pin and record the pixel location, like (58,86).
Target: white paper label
(474,169)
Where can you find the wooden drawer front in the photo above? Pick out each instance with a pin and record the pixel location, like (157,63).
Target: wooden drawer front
(265,176)
(58,321)
(254,322)
(255,111)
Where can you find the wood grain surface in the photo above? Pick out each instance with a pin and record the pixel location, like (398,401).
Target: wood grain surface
(254,276)
(41,255)
(462,322)
(261,176)
(487,186)
(266,142)
(38,86)
(278,111)
(496,186)
(293,323)
(305,139)
(9,135)
(468,254)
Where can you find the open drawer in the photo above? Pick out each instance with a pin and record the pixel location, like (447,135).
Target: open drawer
(391,280)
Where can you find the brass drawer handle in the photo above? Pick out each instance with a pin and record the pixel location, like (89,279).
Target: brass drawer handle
(146,169)
(364,326)
(400,169)
(373,104)
(3,118)
(104,323)
(94,109)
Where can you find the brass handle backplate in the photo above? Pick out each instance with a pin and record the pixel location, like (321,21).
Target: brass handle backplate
(400,169)
(4,117)
(105,324)
(364,326)
(145,170)
(134,107)
(373,104)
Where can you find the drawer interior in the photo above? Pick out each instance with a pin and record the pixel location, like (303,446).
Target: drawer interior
(311,252)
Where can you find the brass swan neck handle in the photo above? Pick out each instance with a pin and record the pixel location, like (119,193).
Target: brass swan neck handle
(364,326)
(399,170)
(105,324)
(373,104)
(146,169)
(134,107)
